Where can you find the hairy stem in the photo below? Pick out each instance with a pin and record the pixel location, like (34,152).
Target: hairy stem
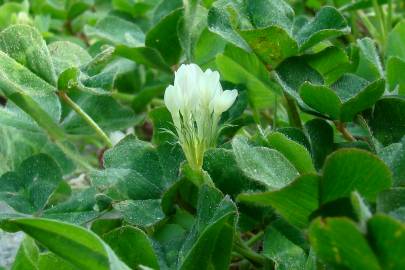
(381,21)
(370,27)
(363,123)
(86,118)
(389,16)
(255,238)
(292,111)
(345,133)
(253,257)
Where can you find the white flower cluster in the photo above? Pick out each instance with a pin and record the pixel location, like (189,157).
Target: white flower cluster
(196,102)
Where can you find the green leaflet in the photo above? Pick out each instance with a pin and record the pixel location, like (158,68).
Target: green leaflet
(75,244)
(347,170)
(27,190)
(267,28)
(266,166)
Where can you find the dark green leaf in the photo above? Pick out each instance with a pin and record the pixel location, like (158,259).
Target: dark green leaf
(76,7)
(142,213)
(49,261)
(239,67)
(321,98)
(30,93)
(331,63)
(212,233)
(396,41)
(264,13)
(135,8)
(132,246)
(163,37)
(363,99)
(369,66)
(320,134)
(350,170)
(328,23)
(286,254)
(28,189)
(394,156)
(20,143)
(221,165)
(142,99)
(143,55)
(117,31)
(292,73)
(295,202)
(169,239)
(164,7)
(207,47)
(387,237)
(77,245)
(78,209)
(395,69)
(136,176)
(348,96)
(392,202)
(296,153)
(70,79)
(338,241)
(163,127)
(66,54)
(25,45)
(267,166)
(272,44)
(388,120)
(27,255)
(191,25)
(220,21)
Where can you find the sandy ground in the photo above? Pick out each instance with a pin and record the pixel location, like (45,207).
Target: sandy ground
(9,243)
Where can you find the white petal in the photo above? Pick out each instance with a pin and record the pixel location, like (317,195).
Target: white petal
(224,101)
(187,79)
(171,99)
(210,86)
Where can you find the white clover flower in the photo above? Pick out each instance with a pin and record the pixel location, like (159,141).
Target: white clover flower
(196,102)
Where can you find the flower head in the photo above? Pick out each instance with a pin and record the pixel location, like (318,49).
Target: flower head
(196,101)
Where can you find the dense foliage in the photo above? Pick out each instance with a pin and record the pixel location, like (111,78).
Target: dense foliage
(308,168)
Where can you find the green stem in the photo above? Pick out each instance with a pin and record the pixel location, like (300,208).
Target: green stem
(292,111)
(256,116)
(157,102)
(249,254)
(86,118)
(363,123)
(345,133)
(123,96)
(275,113)
(389,16)
(254,238)
(369,25)
(381,21)
(353,24)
